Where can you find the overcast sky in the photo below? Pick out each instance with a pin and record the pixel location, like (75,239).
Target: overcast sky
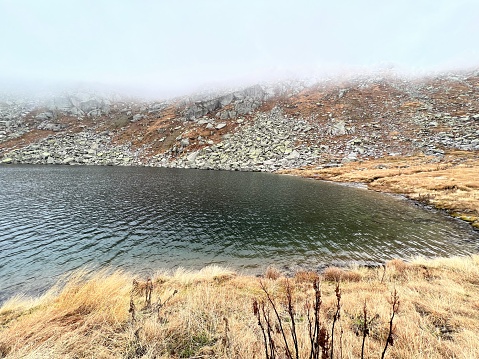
(180,45)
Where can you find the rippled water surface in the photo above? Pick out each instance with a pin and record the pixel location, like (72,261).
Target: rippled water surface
(54,219)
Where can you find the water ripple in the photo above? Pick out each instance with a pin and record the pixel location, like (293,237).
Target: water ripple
(54,219)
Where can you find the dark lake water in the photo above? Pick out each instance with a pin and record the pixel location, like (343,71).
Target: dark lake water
(54,219)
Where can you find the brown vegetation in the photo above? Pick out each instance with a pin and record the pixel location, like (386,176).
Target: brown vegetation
(209,314)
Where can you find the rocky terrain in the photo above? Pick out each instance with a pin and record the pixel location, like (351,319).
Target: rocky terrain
(260,128)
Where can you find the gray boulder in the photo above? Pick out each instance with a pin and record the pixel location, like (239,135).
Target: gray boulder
(105,108)
(191,158)
(336,128)
(44,116)
(94,113)
(243,107)
(225,100)
(51,126)
(62,103)
(293,155)
(90,105)
(255,92)
(137,117)
(195,111)
(211,105)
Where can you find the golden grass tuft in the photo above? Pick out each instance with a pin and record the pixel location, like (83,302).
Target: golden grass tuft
(209,314)
(306,276)
(335,274)
(397,268)
(272,273)
(87,311)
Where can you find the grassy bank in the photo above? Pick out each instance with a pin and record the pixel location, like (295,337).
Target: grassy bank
(450,183)
(209,314)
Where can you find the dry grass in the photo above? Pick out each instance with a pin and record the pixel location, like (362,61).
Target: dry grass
(335,274)
(306,276)
(272,273)
(208,314)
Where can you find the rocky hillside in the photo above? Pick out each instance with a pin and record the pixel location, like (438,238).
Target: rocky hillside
(260,128)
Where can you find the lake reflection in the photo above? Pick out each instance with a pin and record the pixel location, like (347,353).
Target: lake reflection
(57,218)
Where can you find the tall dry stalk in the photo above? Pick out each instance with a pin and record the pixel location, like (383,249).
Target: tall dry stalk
(289,297)
(319,337)
(148,292)
(364,328)
(336,316)
(132,309)
(279,321)
(394,310)
(293,332)
(257,313)
(159,305)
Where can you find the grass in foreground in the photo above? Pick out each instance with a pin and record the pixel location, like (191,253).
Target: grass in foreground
(209,314)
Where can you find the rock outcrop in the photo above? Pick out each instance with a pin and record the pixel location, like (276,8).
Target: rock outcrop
(239,102)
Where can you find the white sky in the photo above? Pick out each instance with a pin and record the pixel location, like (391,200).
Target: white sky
(180,45)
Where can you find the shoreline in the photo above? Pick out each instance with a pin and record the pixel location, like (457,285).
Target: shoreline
(341,264)
(368,181)
(444,196)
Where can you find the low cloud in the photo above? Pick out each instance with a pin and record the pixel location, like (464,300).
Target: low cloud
(162,48)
